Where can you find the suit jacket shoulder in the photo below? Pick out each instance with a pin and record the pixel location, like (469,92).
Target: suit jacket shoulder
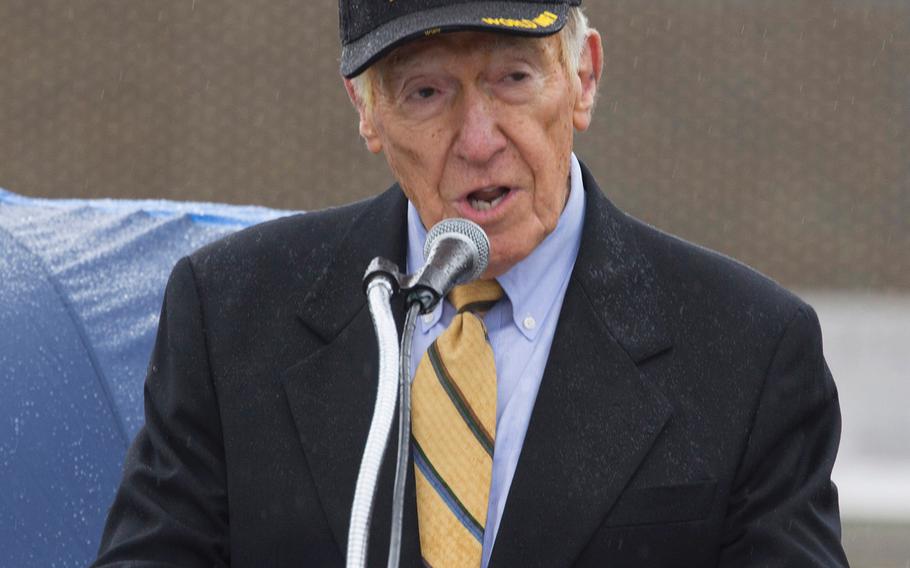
(291,250)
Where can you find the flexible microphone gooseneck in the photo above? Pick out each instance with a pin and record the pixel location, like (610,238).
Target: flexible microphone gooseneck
(456,251)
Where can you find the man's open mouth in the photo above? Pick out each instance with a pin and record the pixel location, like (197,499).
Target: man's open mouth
(488,198)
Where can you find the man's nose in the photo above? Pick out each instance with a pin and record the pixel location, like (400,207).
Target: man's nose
(480,138)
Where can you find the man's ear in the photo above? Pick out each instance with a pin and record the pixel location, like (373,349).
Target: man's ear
(367,125)
(590,68)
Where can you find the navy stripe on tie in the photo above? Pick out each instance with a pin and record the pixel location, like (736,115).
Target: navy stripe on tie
(458,400)
(446,494)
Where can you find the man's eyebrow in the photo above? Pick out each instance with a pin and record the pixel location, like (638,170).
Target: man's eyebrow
(518,43)
(401,58)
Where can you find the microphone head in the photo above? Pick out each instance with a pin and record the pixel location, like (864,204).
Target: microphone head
(465,230)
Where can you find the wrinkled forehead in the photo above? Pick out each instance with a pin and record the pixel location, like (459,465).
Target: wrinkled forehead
(452,46)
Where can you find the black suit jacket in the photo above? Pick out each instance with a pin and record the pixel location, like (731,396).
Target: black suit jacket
(686,416)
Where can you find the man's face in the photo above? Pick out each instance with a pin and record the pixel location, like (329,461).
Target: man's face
(480,126)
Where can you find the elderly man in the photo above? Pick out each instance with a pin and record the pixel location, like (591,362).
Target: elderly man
(612,396)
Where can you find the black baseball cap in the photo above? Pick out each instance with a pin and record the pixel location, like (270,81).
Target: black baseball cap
(372,28)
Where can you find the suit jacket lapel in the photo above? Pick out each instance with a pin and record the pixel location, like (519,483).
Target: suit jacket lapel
(332,391)
(596,415)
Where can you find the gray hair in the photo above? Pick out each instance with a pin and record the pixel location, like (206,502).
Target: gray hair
(572,42)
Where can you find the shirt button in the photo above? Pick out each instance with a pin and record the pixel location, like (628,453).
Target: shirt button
(529,322)
(428,319)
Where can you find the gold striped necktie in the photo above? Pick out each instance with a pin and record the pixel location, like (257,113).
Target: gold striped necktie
(453,420)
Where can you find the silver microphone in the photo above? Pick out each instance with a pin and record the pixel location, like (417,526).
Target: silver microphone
(456,251)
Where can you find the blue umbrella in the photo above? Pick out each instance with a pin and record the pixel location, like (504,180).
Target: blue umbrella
(81,285)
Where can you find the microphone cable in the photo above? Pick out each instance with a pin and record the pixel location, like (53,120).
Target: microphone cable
(404,432)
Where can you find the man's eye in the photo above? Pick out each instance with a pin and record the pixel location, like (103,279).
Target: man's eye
(517,76)
(424,93)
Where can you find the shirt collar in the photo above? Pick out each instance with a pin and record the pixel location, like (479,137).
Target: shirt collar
(533,284)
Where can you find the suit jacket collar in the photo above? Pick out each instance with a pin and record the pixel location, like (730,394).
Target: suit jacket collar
(618,278)
(596,414)
(337,295)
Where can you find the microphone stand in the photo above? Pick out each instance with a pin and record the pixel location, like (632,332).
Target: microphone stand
(379,294)
(456,250)
(381,281)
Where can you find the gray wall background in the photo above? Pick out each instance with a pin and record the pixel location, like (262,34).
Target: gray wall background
(775,131)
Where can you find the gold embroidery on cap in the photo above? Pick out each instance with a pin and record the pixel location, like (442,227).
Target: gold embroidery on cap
(546,19)
(543,20)
(432,31)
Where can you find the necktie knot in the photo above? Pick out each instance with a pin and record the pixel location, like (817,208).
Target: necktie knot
(477,296)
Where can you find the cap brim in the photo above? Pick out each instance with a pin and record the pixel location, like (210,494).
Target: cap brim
(528,19)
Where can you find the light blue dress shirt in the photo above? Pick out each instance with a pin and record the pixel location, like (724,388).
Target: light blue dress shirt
(521,329)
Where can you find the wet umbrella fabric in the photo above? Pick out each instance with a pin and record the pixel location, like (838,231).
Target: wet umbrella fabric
(81,284)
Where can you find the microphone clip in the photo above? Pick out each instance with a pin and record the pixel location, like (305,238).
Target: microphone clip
(424,287)
(456,251)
